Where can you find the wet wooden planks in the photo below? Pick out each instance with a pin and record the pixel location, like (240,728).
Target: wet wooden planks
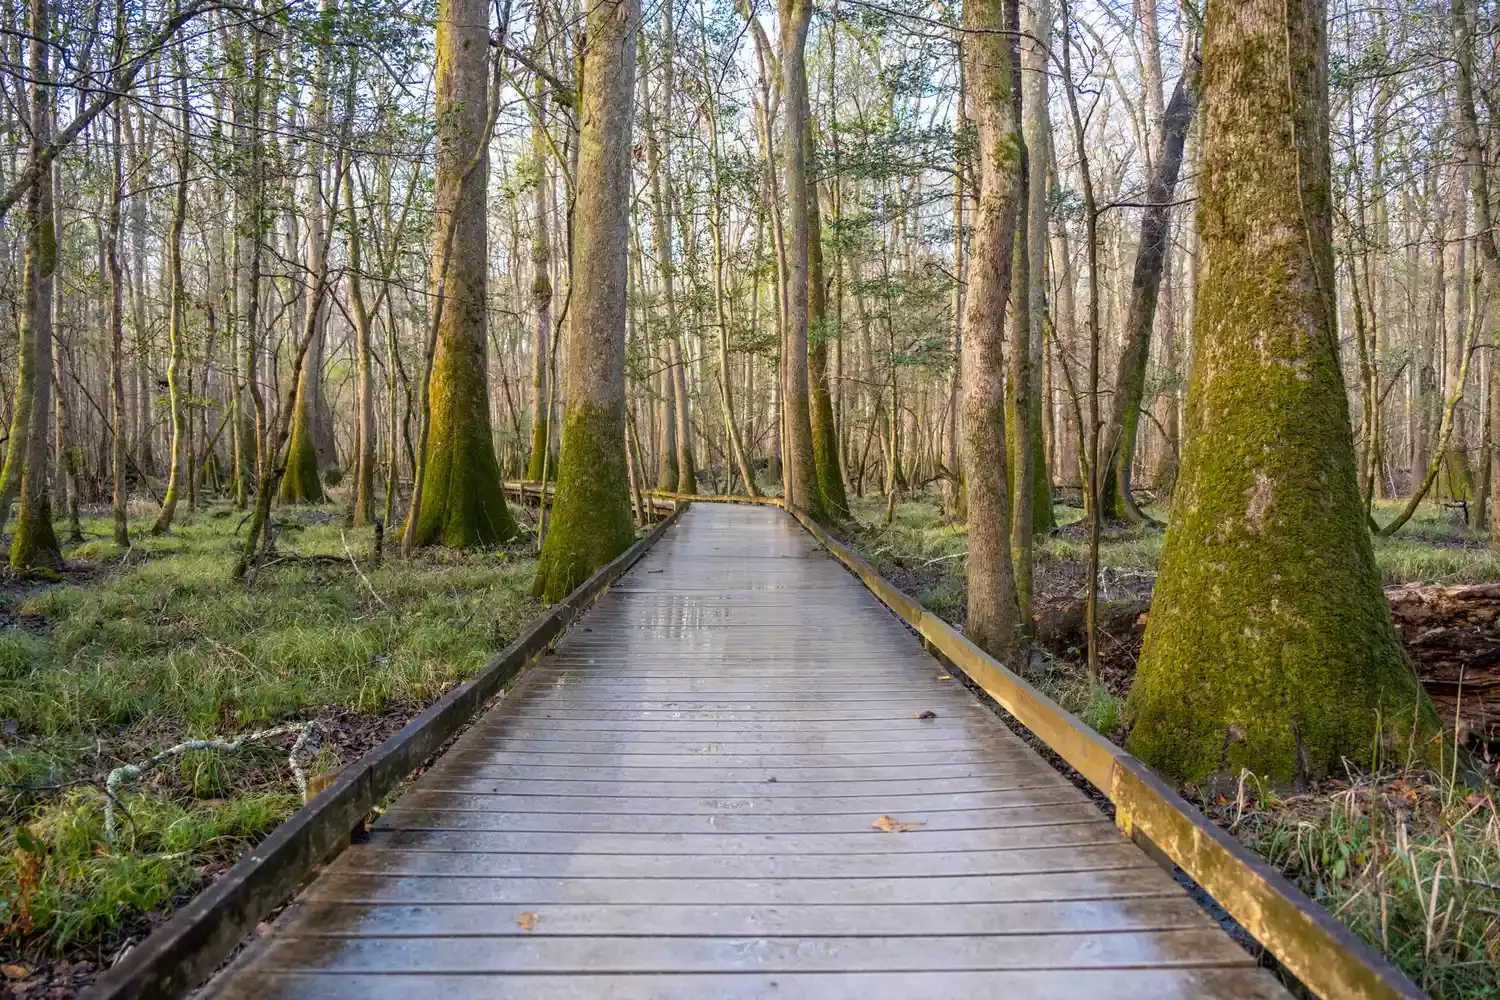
(680,803)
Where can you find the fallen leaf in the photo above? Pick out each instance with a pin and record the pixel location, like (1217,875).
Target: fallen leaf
(15,971)
(528,921)
(929,714)
(261,928)
(890,824)
(944,677)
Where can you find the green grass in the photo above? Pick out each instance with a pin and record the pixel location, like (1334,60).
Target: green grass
(1433,547)
(157,645)
(1409,862)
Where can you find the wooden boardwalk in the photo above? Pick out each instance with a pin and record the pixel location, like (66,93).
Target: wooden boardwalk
(683,801)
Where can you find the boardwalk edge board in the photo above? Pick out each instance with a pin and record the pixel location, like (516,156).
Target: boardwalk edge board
(1314,946)
(183,952)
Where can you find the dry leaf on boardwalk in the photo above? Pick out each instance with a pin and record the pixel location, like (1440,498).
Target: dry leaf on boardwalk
(929,714)
(528,921)
(891,824)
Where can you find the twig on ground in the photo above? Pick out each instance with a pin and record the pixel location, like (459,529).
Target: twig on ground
(130,772)
(360,573)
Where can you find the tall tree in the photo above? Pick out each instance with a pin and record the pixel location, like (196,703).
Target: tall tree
(989,48)
(825,442)
(177,313)
(800,476)
(1269,645)
(460,500)
(1145,287)
(35,543)
(592,522)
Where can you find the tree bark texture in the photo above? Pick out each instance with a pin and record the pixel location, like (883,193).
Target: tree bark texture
(1268,598)
(592,523)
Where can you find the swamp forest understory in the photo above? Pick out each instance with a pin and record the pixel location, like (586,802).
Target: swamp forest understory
(1152,343)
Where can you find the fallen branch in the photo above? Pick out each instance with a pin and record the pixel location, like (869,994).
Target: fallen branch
(360,573)
(130,772)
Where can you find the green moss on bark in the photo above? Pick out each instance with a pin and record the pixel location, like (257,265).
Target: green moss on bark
(591,522)
(300,483)
(1270,644)
(463,500)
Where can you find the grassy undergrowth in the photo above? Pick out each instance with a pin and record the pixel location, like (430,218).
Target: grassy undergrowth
(136,651)
(1410,862)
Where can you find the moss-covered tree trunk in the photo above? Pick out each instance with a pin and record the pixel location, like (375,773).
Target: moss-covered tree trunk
(364,461)
(538,463)
(800,474)
(591,522)
(35,543)
(1120,432)
(461,500)
(1020,455)
(1269,645)
(993,621)
(302,482)
(825,440)
(177,318)
(1036,23)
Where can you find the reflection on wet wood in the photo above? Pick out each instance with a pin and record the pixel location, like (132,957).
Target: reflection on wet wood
(691,799)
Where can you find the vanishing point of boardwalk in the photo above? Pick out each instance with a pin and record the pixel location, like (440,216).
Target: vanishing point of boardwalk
(726,783)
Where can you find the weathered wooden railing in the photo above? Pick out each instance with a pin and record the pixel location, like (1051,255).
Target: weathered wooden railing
(181,953)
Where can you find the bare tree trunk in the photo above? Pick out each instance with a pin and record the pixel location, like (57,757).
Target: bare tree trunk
(35,543)
(801,471)
(116,344)
(541,288)
(993,618)
(364,468)
(177,314)
(1151,259)
(592,524)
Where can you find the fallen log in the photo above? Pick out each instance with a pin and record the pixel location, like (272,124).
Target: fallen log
(1453,637)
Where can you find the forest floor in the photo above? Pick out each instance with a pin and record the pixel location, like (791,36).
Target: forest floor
(1410,860)
(130,652)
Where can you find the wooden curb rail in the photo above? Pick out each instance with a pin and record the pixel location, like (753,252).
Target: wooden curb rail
(184,951)
(1326,956)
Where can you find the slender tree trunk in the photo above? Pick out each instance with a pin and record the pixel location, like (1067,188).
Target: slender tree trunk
(364,467)
(1474,143)
(1036,24)
(1120,433)
(177,316)
(1268,597)
(993,618)
(116,344)
(591,523)
(825,444)
(35,543)
(541,288)
(801,472)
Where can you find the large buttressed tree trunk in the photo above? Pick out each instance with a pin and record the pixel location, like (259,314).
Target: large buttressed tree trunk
(462,501)
(993,620)
(801,470)
(592,521)
(1269,645)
